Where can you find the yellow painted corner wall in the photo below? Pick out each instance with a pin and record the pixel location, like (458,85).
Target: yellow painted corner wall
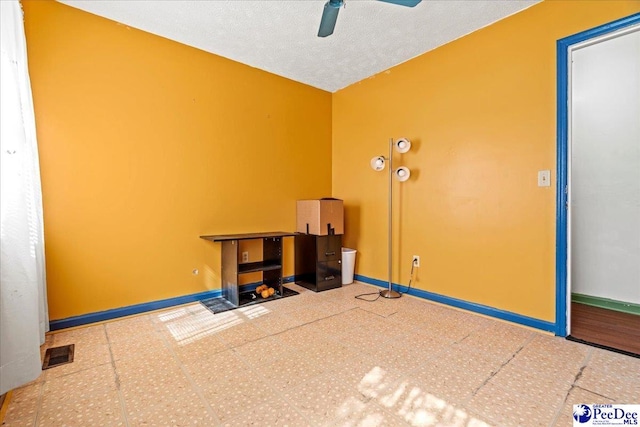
(146,144)
(481,114)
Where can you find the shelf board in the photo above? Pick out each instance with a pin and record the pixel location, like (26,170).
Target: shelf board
(251,267)
(247,236)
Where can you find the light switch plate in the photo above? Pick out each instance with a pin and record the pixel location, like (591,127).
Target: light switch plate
(544,178)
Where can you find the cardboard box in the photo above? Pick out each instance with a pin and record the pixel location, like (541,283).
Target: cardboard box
(320,217)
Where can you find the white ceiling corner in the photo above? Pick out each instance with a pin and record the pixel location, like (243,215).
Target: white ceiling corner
(280,36)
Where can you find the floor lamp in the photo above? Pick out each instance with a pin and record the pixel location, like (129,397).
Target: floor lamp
(402,174)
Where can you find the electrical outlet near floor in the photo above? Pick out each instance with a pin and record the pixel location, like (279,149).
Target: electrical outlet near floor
(245,256)
(416,260)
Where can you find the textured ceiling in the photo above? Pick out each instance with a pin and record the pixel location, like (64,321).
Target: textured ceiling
(280,36)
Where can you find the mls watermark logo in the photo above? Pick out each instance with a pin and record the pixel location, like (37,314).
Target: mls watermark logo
(605,415)
(581,413)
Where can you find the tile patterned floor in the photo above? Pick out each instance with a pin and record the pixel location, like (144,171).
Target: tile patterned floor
(322,359)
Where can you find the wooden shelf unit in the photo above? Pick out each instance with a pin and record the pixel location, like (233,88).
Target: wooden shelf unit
(270,266)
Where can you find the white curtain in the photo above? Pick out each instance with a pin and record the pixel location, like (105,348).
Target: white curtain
(23,305)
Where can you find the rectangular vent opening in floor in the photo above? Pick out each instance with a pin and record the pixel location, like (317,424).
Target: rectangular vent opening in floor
(57,356)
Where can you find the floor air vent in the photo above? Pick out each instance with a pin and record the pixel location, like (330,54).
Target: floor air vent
(57,356)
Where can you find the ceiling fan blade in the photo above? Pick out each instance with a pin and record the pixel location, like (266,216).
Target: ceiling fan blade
(329,18)
(408,3)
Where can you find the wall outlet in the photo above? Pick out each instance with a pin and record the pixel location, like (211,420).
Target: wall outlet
(245,256)
(416,260)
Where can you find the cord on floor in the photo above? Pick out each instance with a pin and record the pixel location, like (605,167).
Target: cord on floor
(360,297)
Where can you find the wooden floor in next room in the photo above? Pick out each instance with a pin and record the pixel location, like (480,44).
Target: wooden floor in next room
(605,327)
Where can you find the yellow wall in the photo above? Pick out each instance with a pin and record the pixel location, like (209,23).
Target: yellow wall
(481,113)
(145,144)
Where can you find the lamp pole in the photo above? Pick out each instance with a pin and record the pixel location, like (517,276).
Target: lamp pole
(390,293)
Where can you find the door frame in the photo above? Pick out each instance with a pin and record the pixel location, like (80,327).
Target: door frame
(564,47)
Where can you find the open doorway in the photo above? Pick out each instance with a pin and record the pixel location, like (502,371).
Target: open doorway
(599,186)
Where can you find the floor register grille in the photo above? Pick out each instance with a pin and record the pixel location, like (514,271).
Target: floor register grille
(57,356)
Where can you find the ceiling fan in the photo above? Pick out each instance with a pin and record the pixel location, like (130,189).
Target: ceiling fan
(332,7)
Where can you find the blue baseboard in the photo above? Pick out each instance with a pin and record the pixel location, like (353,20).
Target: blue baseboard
(115,313)
(454,302)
